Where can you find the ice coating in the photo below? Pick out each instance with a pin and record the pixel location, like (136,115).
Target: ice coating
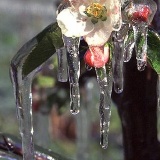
(117,63)
(140,36)
(142,10)
(140,15)
(62,65)
(129,45)
(104,106)
(23,96)
(72,45)
(61,52)
(124,41)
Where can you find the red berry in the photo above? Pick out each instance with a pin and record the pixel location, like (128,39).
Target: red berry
(97,56)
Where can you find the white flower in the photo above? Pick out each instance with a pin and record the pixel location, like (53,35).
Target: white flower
(93,19)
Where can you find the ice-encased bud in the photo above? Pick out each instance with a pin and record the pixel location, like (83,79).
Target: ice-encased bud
(140,10)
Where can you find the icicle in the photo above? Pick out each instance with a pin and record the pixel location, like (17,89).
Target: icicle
(116,19)
(141,13)
(140,36)
(22,90)
(103,84)
(109,77)
(129,44)
(72,45)
(105,105)
(117,63)
(61,52)
(23,96)
(62,65)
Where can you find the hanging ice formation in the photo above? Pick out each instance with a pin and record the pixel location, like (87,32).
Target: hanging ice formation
(117,61)
(128,45)
(72,45)
(140,15)
(62,65)
(104,106)
(62,53)
(23,96)
(132,34)
(96,56)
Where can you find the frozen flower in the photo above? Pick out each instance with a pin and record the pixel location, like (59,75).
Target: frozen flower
(92,19)
(97,56)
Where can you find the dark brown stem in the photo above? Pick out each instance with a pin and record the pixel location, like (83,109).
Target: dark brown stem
(137,107)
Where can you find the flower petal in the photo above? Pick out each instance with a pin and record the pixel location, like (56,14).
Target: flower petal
(102,1)
(75,3)
(100,35)
(73,24)
(87,1)
(82,8)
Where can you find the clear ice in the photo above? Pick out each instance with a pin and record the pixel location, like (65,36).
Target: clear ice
(142,13)
(140,37)
(104,106)
(72,46)
(23,96)
(124,41)
(117,62)
(109,77)
(62,65)
(129,44)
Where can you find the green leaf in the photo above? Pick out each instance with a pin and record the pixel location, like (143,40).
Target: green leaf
(45,81)
(46,44)
(153,54)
